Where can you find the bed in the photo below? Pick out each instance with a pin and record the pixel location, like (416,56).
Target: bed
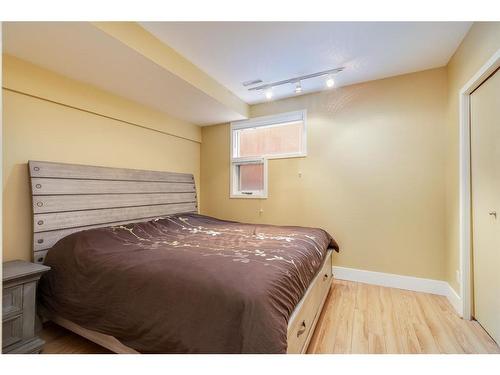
(136,269)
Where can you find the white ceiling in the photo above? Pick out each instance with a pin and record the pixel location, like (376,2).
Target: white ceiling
(81,51)
(235,52)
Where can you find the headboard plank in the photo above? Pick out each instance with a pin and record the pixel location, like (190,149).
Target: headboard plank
(50,186)
(68,198)
(61,220)
(58,203)
(63,170)
(39,256)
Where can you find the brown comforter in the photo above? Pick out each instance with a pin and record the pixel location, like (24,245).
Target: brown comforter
(185,283)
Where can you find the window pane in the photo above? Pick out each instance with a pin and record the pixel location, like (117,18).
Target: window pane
(270,140)
(251,177)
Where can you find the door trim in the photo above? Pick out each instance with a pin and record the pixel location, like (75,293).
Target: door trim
(465,219)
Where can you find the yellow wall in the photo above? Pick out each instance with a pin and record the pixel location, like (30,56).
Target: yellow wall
(48,117)
(373,177)
(482,41)
(381,174)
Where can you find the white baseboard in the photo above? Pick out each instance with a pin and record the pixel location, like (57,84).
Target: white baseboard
(416,284)
(455,300)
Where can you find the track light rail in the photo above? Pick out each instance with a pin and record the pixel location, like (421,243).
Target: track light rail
(296,79)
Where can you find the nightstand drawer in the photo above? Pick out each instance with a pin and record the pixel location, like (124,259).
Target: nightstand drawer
(12,330)
(12,301)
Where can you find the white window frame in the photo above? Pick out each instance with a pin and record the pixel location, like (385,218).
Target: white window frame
(256,122)
(275,120)
(234,192)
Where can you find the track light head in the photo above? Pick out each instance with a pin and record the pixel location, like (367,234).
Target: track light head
(298,87)
(330,82)
(269,94)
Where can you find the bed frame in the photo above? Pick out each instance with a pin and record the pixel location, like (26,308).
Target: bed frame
(67,198)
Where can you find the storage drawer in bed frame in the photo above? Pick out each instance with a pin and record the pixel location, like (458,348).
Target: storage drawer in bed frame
(306,314)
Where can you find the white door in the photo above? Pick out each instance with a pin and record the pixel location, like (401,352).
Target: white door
(485,170)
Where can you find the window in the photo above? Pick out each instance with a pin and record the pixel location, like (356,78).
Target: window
(256,140)
(249,178)
(281,136)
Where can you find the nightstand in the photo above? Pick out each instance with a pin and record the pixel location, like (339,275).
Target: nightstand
(18,307)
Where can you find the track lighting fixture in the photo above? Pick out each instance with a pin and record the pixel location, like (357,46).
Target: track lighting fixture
(267,87)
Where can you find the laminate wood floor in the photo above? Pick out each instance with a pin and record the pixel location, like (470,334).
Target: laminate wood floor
(362,318)
(358,318)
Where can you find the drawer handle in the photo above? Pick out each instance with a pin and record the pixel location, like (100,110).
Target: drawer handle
(302,328)
(325,276)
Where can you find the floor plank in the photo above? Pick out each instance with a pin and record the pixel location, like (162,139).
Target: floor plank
(361,319)
(390,323)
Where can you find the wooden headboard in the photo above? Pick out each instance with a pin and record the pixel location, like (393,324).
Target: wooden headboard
(69,197)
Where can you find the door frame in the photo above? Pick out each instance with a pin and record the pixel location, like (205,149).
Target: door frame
(465,219)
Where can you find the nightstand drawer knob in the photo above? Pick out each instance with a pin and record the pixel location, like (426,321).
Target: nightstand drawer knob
(40,240)
(39,204)
(40,222)
(36,169)
(38,186)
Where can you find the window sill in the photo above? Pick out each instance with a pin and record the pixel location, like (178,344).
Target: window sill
(245,196)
